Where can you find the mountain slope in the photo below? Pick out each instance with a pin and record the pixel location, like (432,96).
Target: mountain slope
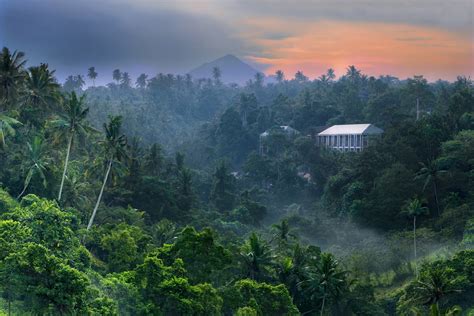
(232,68)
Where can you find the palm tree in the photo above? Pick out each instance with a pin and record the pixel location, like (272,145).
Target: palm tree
(7,127)
(292,270)
(430,173)
(141,81)
(326,281)
(257,257)
(154,160)
(92,74)
(36,163)
(11,74)
(69,125)
(282,233)
(434,286)
(280,76)
(216,74)
(42,89)
(414,208)
(353,73)
(331,75)
(300,77)
(114,146)
(125,80)
(324,78)
(116,75)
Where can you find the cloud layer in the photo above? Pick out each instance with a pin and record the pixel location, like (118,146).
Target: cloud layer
(401,37)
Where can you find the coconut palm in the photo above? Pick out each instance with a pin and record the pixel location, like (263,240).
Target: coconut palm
(433,286)
(257,257)
(414,208)
(7,127)
(325,281)
(125,80)
(114,146)
(292,270)
(280,76)
(154,159)
(436,311)
(331,75)
(11,74)
(353,73)
(430,172)
(41,89)
(117,75)
(324,78)
(36,163)
(282,233)
(141,81)
(92,74)
(216,74)
(72,123)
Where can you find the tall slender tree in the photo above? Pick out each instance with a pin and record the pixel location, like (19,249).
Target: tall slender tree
(430,172)
(125,80)
(280,76)
(325,281)
(114,147)
(330,74)
(141,81)
(70,124)
(92,74)
(414,208)
(257,257)
(216,75)
(117,75)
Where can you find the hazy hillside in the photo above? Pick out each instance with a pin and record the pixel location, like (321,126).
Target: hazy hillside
(232,68)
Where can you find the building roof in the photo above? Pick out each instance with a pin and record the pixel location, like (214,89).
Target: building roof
(365,129)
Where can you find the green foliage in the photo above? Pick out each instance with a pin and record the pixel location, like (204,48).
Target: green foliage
(46,281)
(263,298)
(178,236)
(164,290)
(204,258)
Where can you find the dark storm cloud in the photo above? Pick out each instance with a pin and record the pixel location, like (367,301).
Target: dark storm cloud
(74,35)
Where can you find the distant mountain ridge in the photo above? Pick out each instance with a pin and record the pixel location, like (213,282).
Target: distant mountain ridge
(232,68)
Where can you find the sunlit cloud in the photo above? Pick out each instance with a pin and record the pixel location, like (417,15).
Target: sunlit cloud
(377,48)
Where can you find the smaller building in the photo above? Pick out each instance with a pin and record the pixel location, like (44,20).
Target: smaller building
(350,137)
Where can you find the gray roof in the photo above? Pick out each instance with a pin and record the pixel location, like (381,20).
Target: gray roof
(364,129)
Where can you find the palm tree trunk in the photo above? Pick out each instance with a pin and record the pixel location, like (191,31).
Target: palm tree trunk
(69,145)
(414,244)
(100,195)
(22,192)
(322,306)
(435,187)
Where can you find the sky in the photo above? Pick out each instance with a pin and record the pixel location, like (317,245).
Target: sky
(397,37)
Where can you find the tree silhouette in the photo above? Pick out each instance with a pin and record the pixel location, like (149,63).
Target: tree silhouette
(114,146)
(92,74)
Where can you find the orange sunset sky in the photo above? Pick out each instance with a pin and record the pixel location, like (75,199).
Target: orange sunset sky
(397,37)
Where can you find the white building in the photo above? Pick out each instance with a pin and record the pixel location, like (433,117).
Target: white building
(350,137)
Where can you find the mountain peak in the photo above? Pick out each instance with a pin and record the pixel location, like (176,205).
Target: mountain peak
(232,68)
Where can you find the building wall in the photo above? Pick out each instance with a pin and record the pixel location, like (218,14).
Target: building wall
(347,142)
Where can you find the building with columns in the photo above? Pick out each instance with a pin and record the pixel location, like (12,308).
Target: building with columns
(350,137)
